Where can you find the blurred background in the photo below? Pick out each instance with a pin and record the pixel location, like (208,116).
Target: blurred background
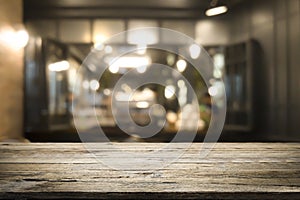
(254,46)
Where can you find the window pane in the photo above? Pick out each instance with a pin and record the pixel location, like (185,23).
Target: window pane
(75,31)
(104,29)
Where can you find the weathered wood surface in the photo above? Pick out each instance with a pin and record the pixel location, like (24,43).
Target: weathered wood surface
(230,171)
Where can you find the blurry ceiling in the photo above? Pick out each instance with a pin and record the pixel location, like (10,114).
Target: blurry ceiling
(152,9)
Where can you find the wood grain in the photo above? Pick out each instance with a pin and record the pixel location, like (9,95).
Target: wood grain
(230,171)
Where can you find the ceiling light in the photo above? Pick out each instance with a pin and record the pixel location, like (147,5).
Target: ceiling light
(59,66)
(140,63)
(216,11)
(142,104)
(15,38)
(142,33)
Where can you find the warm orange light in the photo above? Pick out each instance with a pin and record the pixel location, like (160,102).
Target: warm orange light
(15,39)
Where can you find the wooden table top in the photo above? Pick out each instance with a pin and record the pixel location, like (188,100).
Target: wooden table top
(230,171)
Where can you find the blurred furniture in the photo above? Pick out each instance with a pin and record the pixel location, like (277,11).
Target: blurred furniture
(230,171)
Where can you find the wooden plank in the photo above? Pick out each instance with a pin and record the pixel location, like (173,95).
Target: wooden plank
(231,170)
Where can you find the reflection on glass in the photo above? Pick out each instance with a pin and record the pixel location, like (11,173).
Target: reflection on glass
(62,76)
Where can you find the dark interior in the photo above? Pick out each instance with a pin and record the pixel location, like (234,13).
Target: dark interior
(259,40)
